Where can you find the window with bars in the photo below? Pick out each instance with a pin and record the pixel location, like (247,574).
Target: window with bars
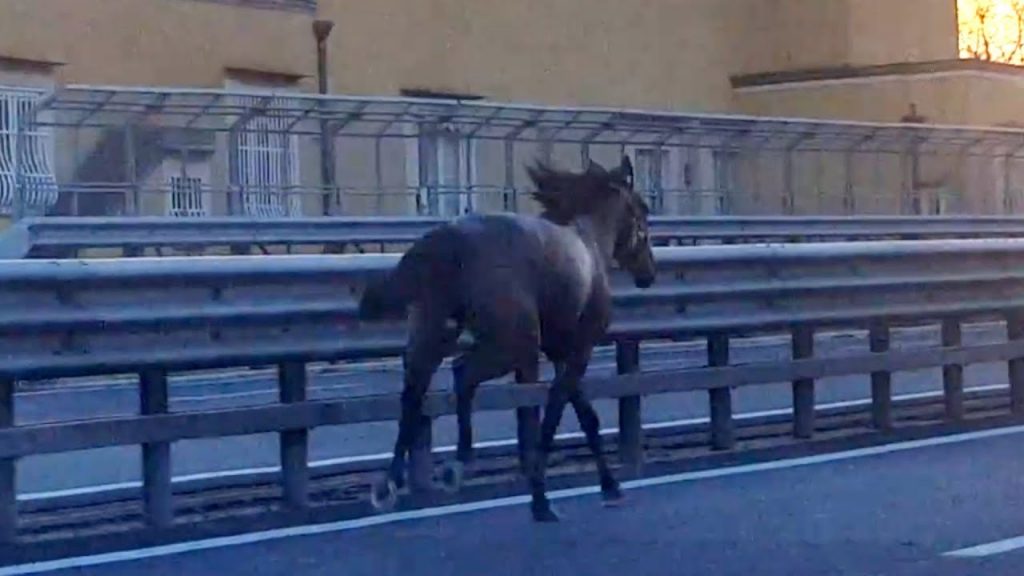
(34,151)
(447,171)
(186,197)
(266,164)
(651,176)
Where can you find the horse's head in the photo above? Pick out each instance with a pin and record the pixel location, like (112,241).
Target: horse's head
(607,197)
(632,249)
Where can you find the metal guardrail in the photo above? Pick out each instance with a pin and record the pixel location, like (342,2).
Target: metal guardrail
(67,237)
(153,316)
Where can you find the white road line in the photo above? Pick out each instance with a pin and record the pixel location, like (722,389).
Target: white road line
(382,456)
(989,549)
(349,525)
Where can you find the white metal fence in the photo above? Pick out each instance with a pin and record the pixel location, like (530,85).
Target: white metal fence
(410,156)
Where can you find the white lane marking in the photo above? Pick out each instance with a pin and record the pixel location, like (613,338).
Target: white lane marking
(348,525)
(989,549)
(383,456)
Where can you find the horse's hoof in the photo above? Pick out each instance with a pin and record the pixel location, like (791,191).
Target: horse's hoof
(384,496)
(452,475)
(612,499)
(545,515)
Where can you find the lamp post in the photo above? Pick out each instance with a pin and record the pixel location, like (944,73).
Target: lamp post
(321,31)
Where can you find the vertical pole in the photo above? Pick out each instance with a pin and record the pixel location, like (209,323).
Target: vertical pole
(881,381)
(627,360)
(723,436)
(132,200)
(8,469)
(803,388)
(18,202)
(294,443)
(321,31)
(511,196)
(1015,367)
(421,458)
(952,374)
(156,456)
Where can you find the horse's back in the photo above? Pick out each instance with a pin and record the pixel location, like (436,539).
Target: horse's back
(521,260)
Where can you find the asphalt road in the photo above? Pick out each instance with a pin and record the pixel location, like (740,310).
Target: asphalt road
(895,511)
(40,476)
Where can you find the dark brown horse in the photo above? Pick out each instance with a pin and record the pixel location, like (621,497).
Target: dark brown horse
(522,285)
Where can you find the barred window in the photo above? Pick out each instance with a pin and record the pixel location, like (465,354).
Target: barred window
(36,166)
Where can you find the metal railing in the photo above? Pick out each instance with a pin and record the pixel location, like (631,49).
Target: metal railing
(69,237)
(153,317)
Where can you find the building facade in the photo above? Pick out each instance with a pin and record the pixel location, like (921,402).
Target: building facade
(874,61)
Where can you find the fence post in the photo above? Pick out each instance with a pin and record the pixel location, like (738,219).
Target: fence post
(723,436)
(421,459)
(952,374)
(8,476)
(627,361)
(294,444)
(1015,367)
(881,380)
(803,388)
(156,456)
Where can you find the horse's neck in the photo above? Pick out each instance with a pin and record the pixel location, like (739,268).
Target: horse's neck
(596,239)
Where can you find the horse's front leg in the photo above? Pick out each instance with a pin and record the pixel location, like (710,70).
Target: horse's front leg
(611,493)
(567,375)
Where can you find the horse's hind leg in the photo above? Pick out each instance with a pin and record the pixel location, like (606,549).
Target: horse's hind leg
(428,344)
(527,419)
(486,361)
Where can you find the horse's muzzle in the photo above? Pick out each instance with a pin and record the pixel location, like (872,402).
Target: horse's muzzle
(643,281)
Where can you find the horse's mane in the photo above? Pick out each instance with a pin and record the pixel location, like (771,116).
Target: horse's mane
(564,195)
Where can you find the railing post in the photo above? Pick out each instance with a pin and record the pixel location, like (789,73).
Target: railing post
(803,388)
(294,444)
(421,459)
(156,456)
(723,436)
(1015,367)
(881,380)
(631,453)
(8,476)
(952,374)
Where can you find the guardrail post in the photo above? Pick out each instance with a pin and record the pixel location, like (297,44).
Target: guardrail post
(156,456)
(881,380)
(421,459)
(294,443)
(803,388)
(952,374)
(1015,367)
(1015,331)
(631,453)
(723,436)
(8,476)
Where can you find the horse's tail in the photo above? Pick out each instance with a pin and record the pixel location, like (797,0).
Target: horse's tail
(430,264)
